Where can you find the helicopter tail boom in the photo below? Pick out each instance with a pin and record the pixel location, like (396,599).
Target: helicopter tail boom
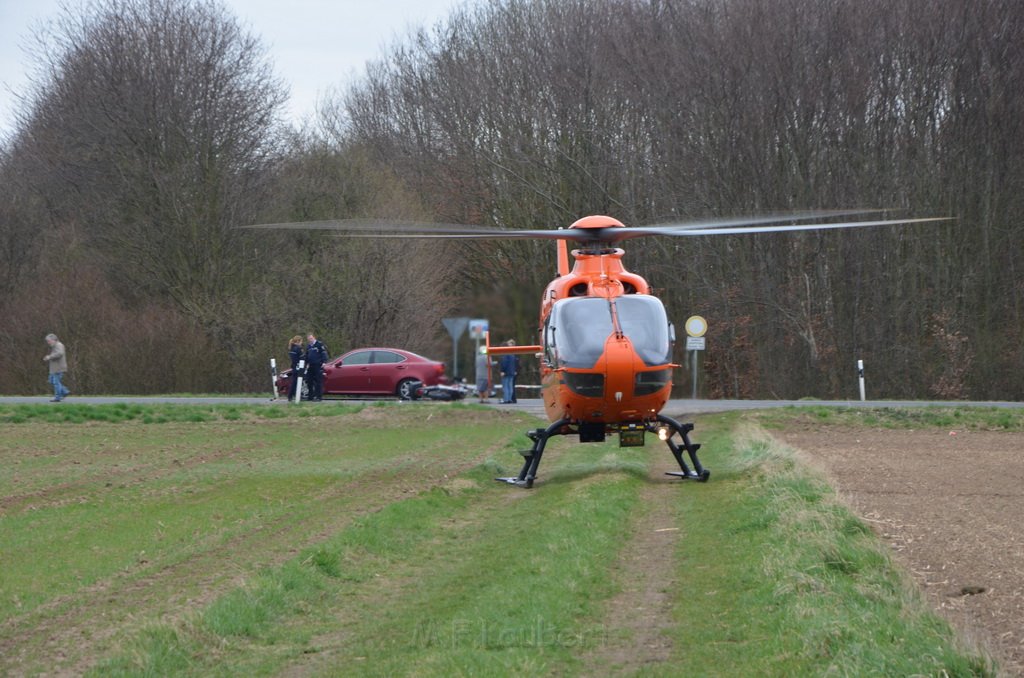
(512,350)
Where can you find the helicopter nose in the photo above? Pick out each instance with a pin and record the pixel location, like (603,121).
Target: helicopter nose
(619,366)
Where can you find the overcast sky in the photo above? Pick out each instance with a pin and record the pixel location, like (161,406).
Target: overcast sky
(316,45)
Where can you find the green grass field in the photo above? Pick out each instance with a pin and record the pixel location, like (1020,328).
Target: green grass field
(970,418)
(247,540)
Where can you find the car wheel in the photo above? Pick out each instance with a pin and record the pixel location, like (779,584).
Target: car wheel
(408,389)
(305,390)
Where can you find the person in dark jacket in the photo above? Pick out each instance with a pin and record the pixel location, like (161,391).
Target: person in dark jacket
(295,355)
(509,366)
(316,356)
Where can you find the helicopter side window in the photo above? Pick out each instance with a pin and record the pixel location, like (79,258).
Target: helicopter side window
(550,349)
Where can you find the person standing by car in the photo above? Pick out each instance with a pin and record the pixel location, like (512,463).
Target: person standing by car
(316,356)
(58,360)
(295,355)
(509,370)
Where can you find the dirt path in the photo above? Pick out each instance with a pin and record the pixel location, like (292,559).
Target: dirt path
(951,505)
(640,615)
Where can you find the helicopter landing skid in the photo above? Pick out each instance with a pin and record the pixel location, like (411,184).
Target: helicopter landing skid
(690,475)
(532,456)
(699,473)
(513,480)
(540,437)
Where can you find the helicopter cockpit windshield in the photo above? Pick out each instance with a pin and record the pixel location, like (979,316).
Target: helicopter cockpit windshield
(578,328)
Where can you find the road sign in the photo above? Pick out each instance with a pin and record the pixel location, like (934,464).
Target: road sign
(478,328)
(695,343)
(696,326)
(455,326)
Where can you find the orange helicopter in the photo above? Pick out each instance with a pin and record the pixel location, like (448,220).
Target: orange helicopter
(605,341)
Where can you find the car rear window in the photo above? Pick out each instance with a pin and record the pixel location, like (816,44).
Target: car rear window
(387,357)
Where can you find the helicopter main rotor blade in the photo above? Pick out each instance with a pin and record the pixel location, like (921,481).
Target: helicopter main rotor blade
(369,225)
(373,228)
(610,235)
(739,230)
(730,222)
(614,235)
(401,226)
(482,234)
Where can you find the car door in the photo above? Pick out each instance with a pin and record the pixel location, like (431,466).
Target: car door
(387,370)
(349,374)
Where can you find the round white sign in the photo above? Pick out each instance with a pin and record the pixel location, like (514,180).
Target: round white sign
(696,326)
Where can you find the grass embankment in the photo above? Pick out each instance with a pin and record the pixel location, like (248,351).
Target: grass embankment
(965,418)
(158,413)
(376,543)
(787,581)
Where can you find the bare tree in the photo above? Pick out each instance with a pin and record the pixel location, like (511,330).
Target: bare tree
(143,141)
(525,112)
(154,117)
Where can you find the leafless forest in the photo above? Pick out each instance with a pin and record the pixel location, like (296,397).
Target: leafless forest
(153,129)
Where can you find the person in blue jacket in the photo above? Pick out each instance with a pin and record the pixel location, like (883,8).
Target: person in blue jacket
(509,366)
(316,356)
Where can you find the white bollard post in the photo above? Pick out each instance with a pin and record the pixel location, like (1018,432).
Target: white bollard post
(694,375)
(273,379)
(860,377)
(298,383)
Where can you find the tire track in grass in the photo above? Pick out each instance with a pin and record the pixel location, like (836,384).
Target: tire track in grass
(382,592)
(64,635)
(494,581)
(130,471)
(225,563)
(638,619)
(114,602)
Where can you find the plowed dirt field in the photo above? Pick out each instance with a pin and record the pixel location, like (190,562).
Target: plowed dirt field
(951,506)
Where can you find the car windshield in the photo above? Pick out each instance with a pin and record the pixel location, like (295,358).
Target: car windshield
(583,325)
